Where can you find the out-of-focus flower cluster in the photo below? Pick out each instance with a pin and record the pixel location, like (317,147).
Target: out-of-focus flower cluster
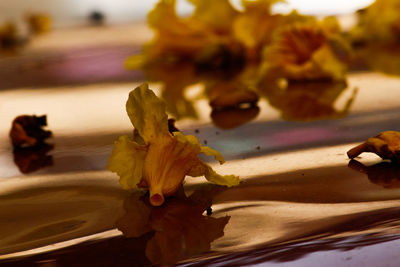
(218,36)
(242,54)
(11,37)
(377,33)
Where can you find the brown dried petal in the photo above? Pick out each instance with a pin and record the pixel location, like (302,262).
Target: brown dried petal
(27,130)
(386,145)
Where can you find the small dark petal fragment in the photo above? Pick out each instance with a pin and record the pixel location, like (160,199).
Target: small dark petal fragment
(209,211)
(26,130)
(171,126)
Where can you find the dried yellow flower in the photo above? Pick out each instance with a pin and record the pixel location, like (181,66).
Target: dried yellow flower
(386,145)
(161,160)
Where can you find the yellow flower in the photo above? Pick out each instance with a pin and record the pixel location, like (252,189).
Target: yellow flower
(159,160)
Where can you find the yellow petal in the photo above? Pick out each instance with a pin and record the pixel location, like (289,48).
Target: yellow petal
(147,113)
(227,180)
(203,169)
(202,149)
(127,160)
(167,163)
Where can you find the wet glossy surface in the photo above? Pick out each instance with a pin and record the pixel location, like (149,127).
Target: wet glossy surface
(300,204)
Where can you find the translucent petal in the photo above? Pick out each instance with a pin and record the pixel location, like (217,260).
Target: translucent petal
(167,163)
(202,149)
(147,113)
(227,180)
(127,160)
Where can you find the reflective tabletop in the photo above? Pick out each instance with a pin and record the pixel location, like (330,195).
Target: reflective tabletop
(301,202)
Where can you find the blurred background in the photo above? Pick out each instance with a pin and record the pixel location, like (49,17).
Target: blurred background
(75,12)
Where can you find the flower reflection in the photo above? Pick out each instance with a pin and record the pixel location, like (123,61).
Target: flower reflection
(385,174)
(306,101)
(232,117)
(179,228)
(33,158)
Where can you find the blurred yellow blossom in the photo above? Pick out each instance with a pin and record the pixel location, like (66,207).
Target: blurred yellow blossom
(182,38)
(39,23)
(304,51)
(8,35)
(378,22)
(254,26)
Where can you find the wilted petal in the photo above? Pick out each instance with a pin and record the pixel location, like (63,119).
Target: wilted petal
(197,146)
(215,178)
(147,113)
(127,160)
(203,169)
